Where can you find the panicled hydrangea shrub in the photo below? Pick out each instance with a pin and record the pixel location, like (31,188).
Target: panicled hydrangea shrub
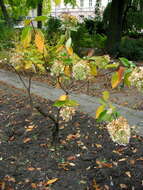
(136,78)
(119,131)
(57,69)
(67,113)
(81,71)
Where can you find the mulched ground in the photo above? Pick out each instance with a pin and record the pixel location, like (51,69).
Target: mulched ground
(85,159)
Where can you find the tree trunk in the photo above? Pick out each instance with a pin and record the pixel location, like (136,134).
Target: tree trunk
(115,26)
(39,13)
(4,12)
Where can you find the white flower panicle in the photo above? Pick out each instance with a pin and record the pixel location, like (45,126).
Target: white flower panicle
(119,130)
(57,69)
(81,71)
(66,113)
(136,78)
(16,58)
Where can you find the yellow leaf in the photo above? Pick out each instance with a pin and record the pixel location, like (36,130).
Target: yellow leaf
(99,110)
(67,71)
(51,181)
(39,41)
(28,65)
(70,50)
(93,70)
(105,95)
(63,97)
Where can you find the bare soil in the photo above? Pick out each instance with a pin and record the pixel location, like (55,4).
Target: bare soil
(85,158)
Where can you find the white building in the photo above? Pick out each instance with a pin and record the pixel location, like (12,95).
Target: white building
(84,9)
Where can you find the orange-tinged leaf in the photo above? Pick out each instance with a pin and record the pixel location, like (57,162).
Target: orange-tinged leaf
(51,181)
(70,50)
(39,41)
(30,169)
(99,110)
(117,77)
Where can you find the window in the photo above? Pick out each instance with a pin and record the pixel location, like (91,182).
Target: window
(90,3)
(81,3)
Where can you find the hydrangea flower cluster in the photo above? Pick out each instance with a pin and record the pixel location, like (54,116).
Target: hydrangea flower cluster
(66,113)
(57,69)
(119,131)
(136,78)
(16,58)
(81,71)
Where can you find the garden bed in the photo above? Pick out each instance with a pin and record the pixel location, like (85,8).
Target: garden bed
(85,158)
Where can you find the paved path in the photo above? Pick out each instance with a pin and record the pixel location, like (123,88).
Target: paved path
(87,103)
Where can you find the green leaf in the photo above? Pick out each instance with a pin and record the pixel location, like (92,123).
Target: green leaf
(115,80)
(41,18)
(126,79)
(114,65)
(102,116)
(69,103)
(27,22)
(106,95)
(126,62)
(26,36)
(68,43)
(99,110)
(59,103)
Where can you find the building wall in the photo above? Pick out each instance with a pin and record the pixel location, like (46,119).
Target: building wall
(84,8)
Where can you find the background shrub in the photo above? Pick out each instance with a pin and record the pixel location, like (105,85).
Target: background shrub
(131,48)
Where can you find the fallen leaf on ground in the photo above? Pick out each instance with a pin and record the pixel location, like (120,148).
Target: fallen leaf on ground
(123,186)
(72,137)
(51,181)
(98,145)
(103,164)
(29,128)
(30,169)
(95,186)
(128,173)
(9,178)
(71,158)
(26,140)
